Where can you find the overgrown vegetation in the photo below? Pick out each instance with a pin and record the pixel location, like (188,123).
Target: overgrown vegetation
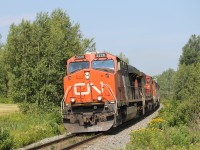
(30,126)
(177,126)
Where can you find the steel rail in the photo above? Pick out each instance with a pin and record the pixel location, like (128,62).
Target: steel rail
(48,143)
(83,141)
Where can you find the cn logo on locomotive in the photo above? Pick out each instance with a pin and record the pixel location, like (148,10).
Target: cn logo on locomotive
(89,86)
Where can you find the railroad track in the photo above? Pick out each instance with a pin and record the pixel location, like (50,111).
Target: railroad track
(63,143)
(80,141)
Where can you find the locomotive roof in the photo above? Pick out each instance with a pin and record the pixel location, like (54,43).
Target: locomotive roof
(133,70)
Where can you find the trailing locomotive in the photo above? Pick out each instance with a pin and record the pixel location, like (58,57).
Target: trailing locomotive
(102,91)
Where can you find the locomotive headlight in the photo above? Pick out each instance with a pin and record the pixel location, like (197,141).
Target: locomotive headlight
(99,98)
(87,75)
(72,99)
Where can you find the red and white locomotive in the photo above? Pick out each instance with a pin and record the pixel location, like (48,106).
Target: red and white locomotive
(102,91)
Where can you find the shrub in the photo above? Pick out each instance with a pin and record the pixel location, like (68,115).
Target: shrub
(150,138)
(158,123)
(6,140)
(6,100)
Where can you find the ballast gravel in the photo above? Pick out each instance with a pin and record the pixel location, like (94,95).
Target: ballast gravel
(119,140)
(108,142)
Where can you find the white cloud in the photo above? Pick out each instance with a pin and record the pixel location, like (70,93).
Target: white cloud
(8,20)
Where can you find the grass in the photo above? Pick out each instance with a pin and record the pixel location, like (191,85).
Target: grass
(20,129)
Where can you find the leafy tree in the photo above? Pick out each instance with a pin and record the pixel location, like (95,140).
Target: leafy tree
(37,53)
(187,81)
(123,57)
(191,51)
(3,72)
(90,45)
(165,80)
(3,77)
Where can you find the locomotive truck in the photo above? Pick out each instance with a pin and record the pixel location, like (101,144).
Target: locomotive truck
(102,91)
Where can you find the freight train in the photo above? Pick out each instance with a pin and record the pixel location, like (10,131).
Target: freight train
(102,91)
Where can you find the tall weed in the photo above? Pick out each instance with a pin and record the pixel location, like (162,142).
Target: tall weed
(30,125)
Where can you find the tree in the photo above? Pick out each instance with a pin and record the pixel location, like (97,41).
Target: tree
(165,80)
(90,45)
(123,57)
(1,44)
(191,51)
(3,76)
(37,53)
(187,79)
(3,72)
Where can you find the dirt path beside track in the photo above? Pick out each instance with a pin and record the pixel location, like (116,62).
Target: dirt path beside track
(8,108)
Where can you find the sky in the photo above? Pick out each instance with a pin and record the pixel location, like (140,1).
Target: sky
(151,34)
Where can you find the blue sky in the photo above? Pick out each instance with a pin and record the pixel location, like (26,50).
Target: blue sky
(150,33)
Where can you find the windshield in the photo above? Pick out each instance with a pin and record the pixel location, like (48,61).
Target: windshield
(75,66)
(105,65)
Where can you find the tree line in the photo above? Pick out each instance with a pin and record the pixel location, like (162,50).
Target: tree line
(183,84)
(33,60)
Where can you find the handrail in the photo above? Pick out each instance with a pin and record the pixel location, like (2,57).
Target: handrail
(143,101)
(111,92)
(64,97)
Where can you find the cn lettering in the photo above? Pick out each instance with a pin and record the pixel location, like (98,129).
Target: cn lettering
(89,86)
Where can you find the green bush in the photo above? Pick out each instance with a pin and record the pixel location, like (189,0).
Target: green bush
(147,139)
(6,100)
(178,113)
(6,140)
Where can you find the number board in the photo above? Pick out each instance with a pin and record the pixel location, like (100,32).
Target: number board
(79,56)
(100,55)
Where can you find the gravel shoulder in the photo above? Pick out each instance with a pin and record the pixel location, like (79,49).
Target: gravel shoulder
(119,140)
